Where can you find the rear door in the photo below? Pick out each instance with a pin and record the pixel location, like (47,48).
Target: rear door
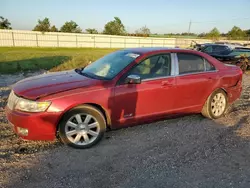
(196,80)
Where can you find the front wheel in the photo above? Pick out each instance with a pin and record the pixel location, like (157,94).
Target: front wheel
(82,127)
(215,105)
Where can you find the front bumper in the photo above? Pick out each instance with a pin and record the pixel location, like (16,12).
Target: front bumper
(40,126)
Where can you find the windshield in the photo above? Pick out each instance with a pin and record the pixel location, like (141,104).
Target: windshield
(110,65)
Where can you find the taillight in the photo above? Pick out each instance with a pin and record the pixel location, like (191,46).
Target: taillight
(241,72)
(240,77)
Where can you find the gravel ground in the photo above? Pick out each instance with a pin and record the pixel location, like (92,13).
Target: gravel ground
(190,151)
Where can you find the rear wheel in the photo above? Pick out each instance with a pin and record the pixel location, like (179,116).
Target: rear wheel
(82,127)
(215,105)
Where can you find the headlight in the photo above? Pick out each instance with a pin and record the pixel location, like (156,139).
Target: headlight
(31,106)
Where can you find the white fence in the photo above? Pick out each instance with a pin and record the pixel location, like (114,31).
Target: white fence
(57,39)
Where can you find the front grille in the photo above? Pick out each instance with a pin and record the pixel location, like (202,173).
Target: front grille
(12,100)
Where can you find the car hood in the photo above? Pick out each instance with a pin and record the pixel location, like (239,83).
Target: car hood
(46,84)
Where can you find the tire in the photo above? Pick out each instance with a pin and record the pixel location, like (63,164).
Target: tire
(82,127)
(216,105)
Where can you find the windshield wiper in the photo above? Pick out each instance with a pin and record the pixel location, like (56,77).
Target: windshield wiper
(79,70)
(89,75)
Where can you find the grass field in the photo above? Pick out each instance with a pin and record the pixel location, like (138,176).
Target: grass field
(17,59)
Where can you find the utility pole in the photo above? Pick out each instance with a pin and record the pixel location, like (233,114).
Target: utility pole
(189,27)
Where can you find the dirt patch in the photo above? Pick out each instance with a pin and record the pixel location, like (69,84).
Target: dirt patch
(190,151)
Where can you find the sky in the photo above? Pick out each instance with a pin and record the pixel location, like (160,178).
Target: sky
(160,16)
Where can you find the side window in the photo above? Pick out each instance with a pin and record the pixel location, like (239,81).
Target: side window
(219,48)
(208,49)
(209,67)
(190,63)
(153,67)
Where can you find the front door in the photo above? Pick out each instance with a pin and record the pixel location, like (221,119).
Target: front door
(151,98)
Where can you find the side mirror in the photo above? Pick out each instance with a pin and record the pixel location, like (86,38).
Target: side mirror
(133,79)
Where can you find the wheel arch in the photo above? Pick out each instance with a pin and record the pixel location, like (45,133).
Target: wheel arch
(103,110)
(206,111)
(223,89)
(99,107)
(220,88)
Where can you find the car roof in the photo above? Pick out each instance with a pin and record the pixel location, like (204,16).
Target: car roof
(144,50)
(212,44)
(149,50)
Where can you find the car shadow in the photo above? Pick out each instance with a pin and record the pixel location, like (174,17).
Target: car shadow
(123,105)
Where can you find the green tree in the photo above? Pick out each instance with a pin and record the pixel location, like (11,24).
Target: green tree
(53,29)
(114,27)
(4,23)
(236,33)
(143,31)
(247,32)
(70,27)
(43,25)
(91,31)
(214,34)
(188,34)
(223,34)
(201,35)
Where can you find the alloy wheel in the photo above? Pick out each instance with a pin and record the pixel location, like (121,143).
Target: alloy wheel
(218,104)
(82,129)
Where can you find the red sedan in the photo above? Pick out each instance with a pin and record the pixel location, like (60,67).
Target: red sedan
(126,87)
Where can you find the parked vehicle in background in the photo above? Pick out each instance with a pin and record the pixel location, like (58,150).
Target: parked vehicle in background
(225,52)
(231,45)
(126,87)
(216,50)
(199,47)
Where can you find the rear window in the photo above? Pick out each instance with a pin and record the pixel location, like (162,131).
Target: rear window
(209,66)
(190,63)
(208,49)
(220,48)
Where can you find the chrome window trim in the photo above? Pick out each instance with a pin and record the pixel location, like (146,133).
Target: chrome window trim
(175,68)
(186,74)
(157,78)
(204,64)
(174,64)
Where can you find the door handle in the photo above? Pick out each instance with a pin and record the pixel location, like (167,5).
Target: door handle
(211,78)
(166,83)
